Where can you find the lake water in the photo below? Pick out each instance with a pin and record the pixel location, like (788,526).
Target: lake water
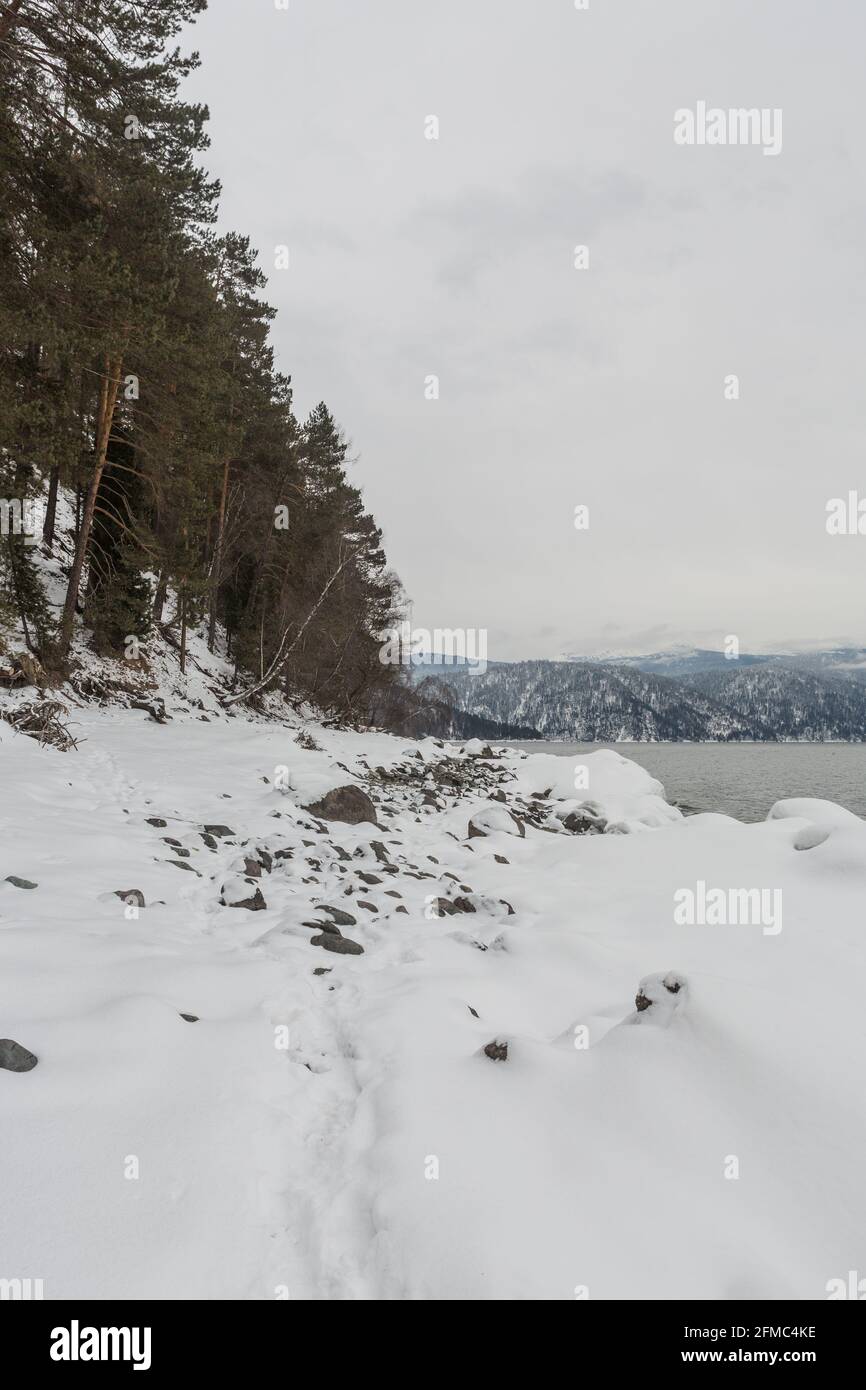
(742,779)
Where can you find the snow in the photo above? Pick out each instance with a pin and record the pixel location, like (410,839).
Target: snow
(381,1154)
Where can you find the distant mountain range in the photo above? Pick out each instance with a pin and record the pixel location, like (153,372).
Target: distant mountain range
(687,694)
(687,661)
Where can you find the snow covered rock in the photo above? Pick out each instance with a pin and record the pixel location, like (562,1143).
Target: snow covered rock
(348,804)
(476,749)
(236,893)
(819,812)
(491,819)
(582,821)
(657,999)
(133,897)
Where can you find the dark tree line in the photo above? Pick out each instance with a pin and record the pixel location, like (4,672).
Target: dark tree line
(137,376)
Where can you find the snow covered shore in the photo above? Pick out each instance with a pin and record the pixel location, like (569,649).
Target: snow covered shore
(345,1135)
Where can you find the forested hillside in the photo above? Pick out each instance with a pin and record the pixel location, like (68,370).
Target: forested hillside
(605,703)
(137,378)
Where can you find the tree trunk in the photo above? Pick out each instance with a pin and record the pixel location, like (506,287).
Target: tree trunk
(51,508)
(108,388)
(18,599)
(217,559)
(160,596)
(183,634)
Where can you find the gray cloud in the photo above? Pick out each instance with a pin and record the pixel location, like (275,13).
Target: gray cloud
(455,258)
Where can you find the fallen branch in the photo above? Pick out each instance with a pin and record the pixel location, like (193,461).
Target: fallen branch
(42,721)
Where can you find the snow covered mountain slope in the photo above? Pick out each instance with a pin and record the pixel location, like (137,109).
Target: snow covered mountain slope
(600,703)
(345,1135)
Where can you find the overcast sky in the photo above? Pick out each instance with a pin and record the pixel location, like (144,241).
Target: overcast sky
(605,387)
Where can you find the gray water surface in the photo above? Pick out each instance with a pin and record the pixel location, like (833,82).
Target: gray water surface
(742,779)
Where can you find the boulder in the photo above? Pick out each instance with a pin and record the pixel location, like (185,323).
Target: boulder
(586,819)
(343,919)
(658,997)
(476,749)
(256,903)
(340,944)
(348,804)
(130,896)
(14,1057)
(495,819)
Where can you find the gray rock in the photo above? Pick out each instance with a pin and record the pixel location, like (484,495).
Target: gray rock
(348,804)
(190,1018)
(14,1057)
(133,894)
(20,882)
(582,823)
(444,907)
(497,1051)
(341,944)
(343,919)
(328,927)
(254,904)
(220,831)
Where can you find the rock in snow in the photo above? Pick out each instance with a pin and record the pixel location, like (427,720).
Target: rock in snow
(14,1057)
(348,804)
(339,944)
(492,819)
